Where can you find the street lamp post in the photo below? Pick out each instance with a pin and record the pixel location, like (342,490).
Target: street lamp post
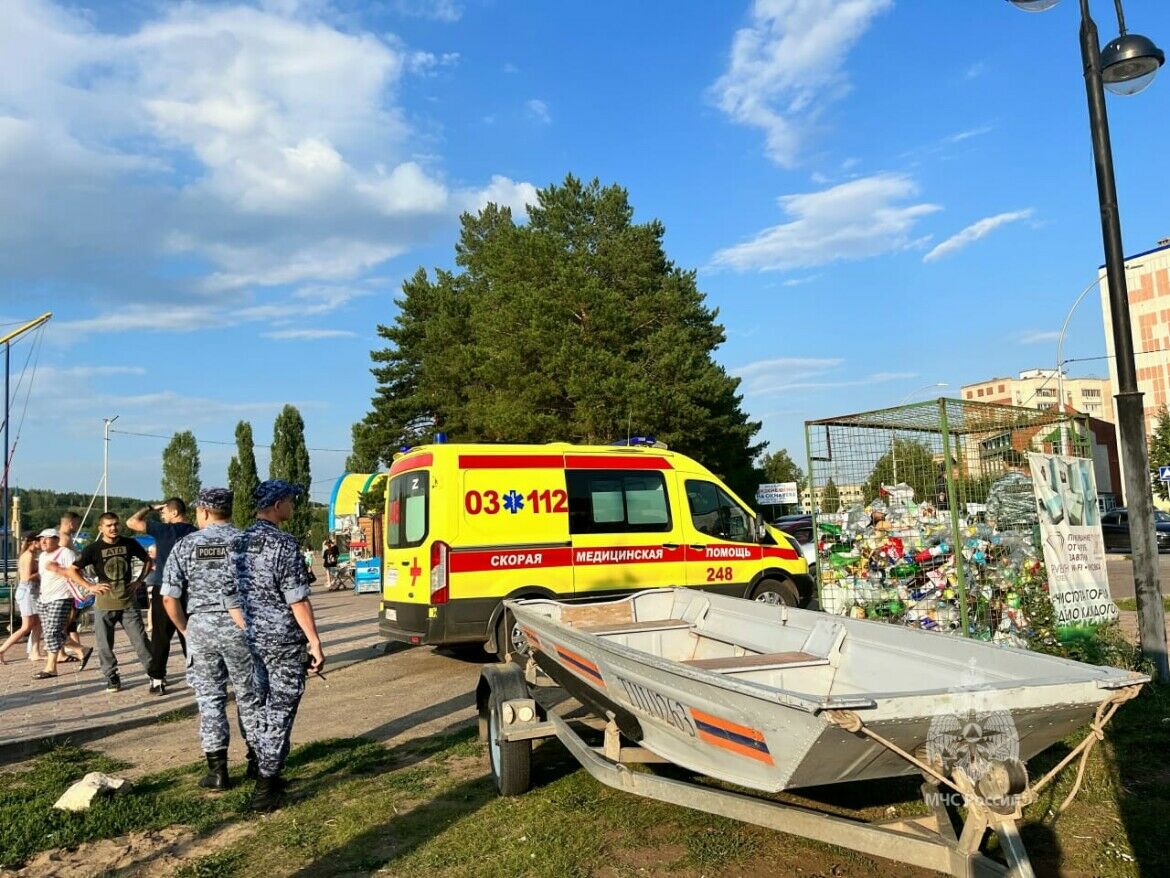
(894,440)
(106,464)
(1126,66)
(1060,350)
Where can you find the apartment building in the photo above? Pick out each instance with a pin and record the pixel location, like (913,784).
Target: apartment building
(1147,277)
(1041,389)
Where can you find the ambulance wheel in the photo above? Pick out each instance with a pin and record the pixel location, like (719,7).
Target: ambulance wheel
(510,639)
(774,592)
(511,761)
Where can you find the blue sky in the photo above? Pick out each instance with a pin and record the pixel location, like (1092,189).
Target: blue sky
(219,201)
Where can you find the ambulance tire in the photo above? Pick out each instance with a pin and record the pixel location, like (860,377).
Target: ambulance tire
(774,592)
(509,639)
(511,761)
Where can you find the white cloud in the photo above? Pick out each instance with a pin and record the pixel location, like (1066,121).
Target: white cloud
(783,375)
(428,63)
(308,334)
(975,70)
(220,312)
(54,374)
(538,110)
(447,11)
(1038,336)
(787,66)
(973,233)
(801,281)
(968,134)
(855,220)
(504,192)
(266,144)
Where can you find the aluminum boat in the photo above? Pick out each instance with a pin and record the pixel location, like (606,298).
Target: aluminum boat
(775,698)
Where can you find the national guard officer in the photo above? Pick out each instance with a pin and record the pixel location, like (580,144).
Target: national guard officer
(199,570)
(274,593)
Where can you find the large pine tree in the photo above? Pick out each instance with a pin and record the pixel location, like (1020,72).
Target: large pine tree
(243,477)
(575,326)
(290,461)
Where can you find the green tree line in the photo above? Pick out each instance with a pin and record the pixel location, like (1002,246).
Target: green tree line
(41,507)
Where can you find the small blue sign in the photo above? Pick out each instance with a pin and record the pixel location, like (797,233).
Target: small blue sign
(1164,473)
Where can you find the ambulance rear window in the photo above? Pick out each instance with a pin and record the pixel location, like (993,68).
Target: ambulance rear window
(406,509)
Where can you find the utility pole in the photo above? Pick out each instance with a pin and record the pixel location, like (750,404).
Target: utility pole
(106,465)
(7,342)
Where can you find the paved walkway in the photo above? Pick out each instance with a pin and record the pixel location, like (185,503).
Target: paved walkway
(76,705)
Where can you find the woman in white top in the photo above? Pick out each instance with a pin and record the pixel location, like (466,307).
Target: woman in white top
(27,593)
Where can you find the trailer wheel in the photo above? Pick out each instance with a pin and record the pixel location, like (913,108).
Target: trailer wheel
(510,639)
(774,592)
(511,761)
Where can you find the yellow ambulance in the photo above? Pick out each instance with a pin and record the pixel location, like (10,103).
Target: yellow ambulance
(467,526)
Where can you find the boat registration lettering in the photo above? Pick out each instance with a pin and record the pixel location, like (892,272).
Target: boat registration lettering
(658,705)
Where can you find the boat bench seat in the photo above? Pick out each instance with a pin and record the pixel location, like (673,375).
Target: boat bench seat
(634,627)
(758,661)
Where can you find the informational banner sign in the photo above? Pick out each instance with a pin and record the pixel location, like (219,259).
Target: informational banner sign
(1070,531)
(777,493)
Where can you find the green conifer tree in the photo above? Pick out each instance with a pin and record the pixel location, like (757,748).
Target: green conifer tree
(243,477)
(574,326)
(290,461)
(180,467)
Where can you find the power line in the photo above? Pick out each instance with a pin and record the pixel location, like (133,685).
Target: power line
(1052,374)
(219,441)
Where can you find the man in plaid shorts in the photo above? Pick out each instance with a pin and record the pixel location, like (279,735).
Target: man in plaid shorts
(56,597)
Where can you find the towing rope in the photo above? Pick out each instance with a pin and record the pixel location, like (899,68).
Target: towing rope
(850,721)
(1105,711)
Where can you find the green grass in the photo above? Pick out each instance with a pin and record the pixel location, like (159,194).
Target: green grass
(29,823)
(1131,604)
(427,809)
(175,716)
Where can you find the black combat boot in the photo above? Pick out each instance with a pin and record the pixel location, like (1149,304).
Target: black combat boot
(253,769)
(217,772)
(266,796)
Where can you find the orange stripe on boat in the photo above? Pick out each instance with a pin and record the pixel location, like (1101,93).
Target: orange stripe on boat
(580,665)
(531,635)
(742,740)
(735,747)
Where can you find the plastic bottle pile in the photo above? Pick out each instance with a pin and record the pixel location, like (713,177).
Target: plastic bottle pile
(898,564)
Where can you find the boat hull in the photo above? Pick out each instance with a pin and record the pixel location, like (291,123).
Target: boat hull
(743,728)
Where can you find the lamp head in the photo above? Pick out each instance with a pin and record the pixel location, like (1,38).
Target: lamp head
(1129,63)
(1034,5)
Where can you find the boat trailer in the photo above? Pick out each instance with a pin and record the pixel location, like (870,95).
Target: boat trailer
(518,706)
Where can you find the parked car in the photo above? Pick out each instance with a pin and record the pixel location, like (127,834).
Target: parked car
(1115,528)
(800,528)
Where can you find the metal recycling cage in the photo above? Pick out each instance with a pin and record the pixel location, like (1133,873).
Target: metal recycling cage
(903,536)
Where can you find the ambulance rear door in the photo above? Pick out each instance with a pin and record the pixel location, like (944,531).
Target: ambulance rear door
(513,526)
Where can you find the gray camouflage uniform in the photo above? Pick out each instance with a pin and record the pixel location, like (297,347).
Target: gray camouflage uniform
(217,650)
(271,575)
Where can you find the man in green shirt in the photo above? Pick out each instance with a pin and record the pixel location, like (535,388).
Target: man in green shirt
(109,560)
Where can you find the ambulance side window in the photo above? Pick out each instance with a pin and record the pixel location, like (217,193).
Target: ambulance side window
(604,501)
(714,513)
(406,509)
